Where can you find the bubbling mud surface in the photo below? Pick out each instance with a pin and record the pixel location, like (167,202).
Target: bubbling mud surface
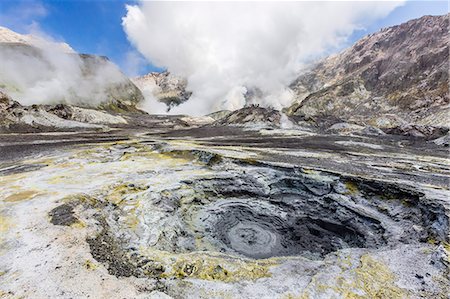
(288,223)
(261,233)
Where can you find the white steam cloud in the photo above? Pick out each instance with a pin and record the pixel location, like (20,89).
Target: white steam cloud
(227,48)
(151,104)
(36,70)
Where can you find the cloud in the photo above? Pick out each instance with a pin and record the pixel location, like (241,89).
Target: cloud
(151,104)
(133,64)
(227,48)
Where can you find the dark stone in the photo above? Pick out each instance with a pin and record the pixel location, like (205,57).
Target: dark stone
(63,215)
(105,249)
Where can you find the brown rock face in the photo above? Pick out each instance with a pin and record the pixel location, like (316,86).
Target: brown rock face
(394,77)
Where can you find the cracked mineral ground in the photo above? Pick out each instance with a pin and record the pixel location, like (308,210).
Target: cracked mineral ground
(224,215)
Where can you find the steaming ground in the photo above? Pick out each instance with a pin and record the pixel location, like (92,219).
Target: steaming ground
(239,48)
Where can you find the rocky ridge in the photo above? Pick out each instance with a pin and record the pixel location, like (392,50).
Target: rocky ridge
(393,78)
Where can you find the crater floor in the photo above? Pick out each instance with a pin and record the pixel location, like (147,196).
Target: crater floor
(223,212)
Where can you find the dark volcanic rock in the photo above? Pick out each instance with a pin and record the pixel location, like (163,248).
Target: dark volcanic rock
(63,215)
(61,110)
(105,249)
(427,132)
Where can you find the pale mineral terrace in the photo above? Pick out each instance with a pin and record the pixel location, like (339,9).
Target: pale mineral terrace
(223,212)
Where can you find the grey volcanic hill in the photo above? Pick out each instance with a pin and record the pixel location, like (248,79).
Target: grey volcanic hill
(122,95)
(395,77)
(36,71)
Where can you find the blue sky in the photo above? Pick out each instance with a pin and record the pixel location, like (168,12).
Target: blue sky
(95,26)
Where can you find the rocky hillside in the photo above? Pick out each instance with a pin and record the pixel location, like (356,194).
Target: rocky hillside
(35,71)
(395,77)
(166,87)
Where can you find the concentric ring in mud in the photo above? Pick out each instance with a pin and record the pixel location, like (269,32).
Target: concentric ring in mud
(261,230)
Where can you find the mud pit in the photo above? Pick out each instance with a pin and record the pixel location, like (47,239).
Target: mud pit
(284,213)
(260,212)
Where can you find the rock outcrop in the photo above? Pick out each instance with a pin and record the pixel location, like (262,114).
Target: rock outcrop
(220,114)
(166,87)
(254,115)
(395,77)
(15,117)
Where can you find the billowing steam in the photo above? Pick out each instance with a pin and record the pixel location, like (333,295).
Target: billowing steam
(151,104)
(40,71)
(226,49)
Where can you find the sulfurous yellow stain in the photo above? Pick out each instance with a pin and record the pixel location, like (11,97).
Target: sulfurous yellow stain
(122,191)
(90,265)
(12,179)
(292,296)
(376,280)
(447,250)
(351,187)
(20,196)
(309,171)
(213,267)
(78,224)
(210,268)
(5,224)
(371,279)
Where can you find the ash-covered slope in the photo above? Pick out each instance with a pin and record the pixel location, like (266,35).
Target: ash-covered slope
(395,77)
(166,87)
(36,71)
